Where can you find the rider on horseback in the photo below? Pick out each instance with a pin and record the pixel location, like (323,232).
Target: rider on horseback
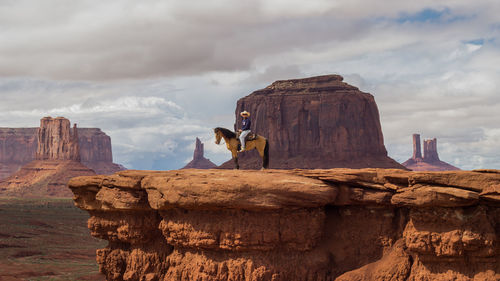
(245,128)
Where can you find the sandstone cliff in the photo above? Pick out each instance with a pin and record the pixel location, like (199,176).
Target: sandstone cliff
(95,151)
(338,224)
(430,161)
(317,122)
(57,160)
(56,141)
(199,161)
(18,147)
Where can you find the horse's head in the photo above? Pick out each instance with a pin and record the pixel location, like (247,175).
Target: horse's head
(217,135)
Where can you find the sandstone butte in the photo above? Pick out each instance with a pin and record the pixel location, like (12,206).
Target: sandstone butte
(430,161)
(199,161)
(295,225)
(18,147)
(316,122)
(57,159)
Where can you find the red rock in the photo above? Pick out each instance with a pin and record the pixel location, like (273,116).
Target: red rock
(430,161)
(317,122)
(56,141)
(19,145)
(336,224)
(199,161)
(17,148)
(43,178)
(57,160)
(95,151)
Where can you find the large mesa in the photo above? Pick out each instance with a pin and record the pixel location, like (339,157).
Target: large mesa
(316,122)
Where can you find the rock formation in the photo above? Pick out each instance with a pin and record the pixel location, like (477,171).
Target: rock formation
(199,161)
(430,161)
(95,151)
(317,122)
(18,147)
(57,160)
(338,224)
(56,141)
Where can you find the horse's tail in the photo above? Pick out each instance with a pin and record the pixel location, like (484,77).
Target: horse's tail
(265,161)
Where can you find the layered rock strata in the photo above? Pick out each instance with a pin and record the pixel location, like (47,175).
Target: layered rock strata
(18,147)
(57,160)
(317,122)
(96,152)
(430,161)
(56,141)
(199,161)
(338,224)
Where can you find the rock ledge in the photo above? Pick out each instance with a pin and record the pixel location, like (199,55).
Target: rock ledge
(337,224)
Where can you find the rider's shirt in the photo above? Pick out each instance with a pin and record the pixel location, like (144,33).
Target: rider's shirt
(245,124)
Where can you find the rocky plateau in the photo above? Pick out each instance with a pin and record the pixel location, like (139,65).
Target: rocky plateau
(335,224)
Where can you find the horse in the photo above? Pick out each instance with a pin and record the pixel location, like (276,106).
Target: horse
(233,143)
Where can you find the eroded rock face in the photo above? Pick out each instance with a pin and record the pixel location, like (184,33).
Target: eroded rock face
(338,224)
(57,160)
(430,161)
(18,147)
(199,161)
(317,122)
(56,141)
(95,151)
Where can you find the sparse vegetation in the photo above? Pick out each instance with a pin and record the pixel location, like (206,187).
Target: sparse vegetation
(46,239)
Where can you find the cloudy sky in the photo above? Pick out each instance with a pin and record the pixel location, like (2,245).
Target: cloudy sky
(156,74)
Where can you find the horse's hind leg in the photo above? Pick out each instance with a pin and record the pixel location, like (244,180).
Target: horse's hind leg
(236,163)
(260,148)
(235,157)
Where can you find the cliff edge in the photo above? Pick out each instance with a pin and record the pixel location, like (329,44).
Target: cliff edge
(337,224)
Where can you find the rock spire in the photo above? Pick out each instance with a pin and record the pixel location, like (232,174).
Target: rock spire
(430,160)
(199,161)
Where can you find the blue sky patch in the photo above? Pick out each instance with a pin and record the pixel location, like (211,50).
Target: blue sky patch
(430,16)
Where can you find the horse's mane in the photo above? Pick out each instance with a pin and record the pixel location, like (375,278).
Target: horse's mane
(226,133)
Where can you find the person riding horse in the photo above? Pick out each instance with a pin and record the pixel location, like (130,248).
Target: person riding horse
(245,128)
(233,143)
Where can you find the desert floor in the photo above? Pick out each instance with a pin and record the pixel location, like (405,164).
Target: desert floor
(46,239)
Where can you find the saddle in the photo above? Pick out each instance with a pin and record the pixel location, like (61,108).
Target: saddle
(250,137)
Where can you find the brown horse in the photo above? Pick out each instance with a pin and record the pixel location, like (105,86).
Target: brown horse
(233,142)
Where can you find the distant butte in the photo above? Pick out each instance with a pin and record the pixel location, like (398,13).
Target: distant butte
(316,122)
(57,160)
(18,147)
(430,160)
(199,161)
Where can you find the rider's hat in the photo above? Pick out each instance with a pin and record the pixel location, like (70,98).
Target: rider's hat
(245,113)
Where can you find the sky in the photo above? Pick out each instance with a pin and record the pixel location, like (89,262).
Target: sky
(154,75)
